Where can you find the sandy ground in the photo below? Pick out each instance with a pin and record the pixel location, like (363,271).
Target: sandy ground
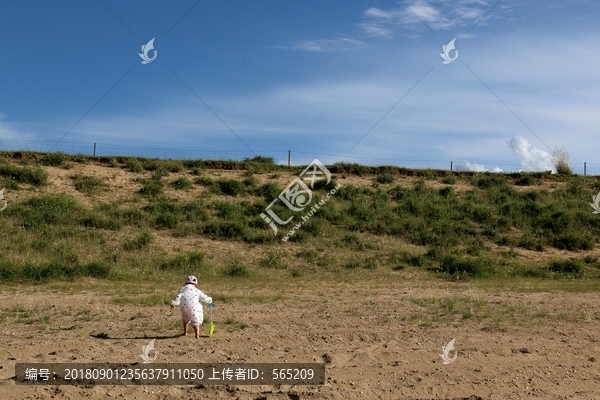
(370,338)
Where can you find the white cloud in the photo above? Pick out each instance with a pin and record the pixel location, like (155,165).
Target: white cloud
(377,13)
(326,45)
(8,132)
(532,158)
(468,166)
(413,15)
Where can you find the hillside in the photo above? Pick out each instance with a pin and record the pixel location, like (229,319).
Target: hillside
(115,214)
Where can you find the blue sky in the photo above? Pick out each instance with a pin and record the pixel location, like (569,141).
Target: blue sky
(312,76)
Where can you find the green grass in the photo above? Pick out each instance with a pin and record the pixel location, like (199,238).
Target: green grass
(57,159)
(191,262)
(138,243)
(274,260)
(32,176)
(234,325)
(181,184)
(152,187)
(229,187)
(38,273)
(88,184)
(470,230)
(236,270)
(443,310)
(385,178)
(134,165)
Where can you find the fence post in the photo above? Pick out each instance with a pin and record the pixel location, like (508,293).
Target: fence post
(289,156)
(94,149)
(584,168)
(450,166)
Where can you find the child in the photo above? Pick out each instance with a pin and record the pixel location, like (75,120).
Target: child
(188,299)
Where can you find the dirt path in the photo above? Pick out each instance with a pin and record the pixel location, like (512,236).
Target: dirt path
(377,343)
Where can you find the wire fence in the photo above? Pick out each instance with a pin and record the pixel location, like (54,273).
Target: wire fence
(286,157)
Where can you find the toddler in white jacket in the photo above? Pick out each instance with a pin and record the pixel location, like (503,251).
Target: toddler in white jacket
(188,299)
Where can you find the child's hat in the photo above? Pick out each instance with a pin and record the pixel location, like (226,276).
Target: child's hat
(191,279)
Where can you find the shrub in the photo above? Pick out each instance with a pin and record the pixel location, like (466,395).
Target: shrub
(250,182)
(134,165)
(55,159)
(314,226)
(35,212)
(159,173)
(96,270)
(35,177)
(152,188)
(132,216)
(322,184)
(446,191)
(101,222)
(299,236)
(529,272)
(166,220)
(260,160)
(236,270)
(489,182)
(138,243)
(273,260)
(181,184)
(571,267)
(195,211)
(589,259)
(385,178)
(38,273)
(259,238)
(87,184)
(526,180)
(561,160)
(455,265)
(350,168)
(9,184)
(425,173)
(189,262)
(231,187)
(228,210)
(415,260)
(574,241)
(268,191)
(173,166)
(204,181)
(225,230)
(449,180)
(162,165)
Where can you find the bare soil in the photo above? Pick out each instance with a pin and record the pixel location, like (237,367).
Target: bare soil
(376,339)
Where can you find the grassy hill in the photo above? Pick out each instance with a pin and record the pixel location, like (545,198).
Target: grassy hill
(128,218)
